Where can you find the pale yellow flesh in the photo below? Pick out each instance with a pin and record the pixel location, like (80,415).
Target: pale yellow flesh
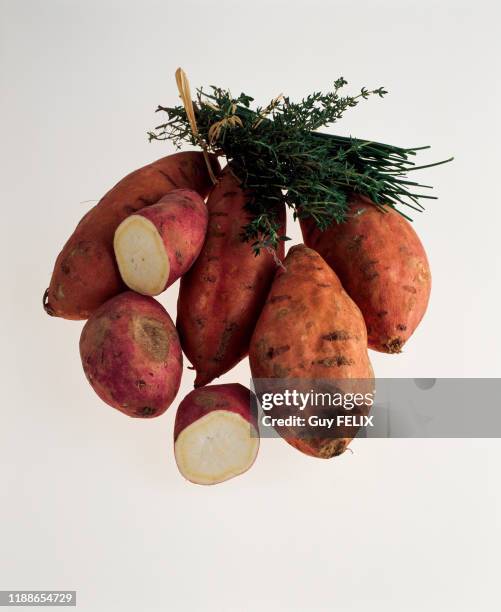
(141,257)
(216,447)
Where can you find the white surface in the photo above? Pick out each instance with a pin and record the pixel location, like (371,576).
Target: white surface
(92,500)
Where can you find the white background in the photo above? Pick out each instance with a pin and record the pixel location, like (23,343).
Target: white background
(91,500)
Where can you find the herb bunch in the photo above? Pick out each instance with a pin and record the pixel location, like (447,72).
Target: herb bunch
(281,158)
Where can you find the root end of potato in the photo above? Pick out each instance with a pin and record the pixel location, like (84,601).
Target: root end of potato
(393,346)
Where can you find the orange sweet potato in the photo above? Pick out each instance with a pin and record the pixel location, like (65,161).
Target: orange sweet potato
(310,329)
(382,265)
(85,274)
(131,355)
(222,295)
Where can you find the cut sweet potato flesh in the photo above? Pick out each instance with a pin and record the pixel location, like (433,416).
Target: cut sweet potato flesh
(141,256)
(216,447)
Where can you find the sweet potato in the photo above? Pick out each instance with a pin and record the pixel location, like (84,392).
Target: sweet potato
(382,265)
(85,274)
(221,296)
(157,245)
(215,434)
(311,330)
(131,355)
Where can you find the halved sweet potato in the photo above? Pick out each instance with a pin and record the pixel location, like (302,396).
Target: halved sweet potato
(215,434)
(157,245)
(85,274)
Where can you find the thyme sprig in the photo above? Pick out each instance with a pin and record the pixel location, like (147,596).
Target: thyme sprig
(281,157)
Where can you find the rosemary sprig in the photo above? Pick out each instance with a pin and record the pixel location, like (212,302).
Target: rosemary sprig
(281,158)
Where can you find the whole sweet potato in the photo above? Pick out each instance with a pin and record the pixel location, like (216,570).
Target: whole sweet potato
(85,274)
(382,265)
(215,434)
(310,329)
(222,295)
(158,244)
(131,355)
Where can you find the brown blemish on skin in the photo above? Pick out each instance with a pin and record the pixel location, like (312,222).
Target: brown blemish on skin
(140,384)
(207,399)
(179,257)
(83,247)
(145,411)
(401,327)
(338,360)
(368,271)
(356,242)
(200,322)
(382,313)
(339,334)
(423,275)
(280,371)
(209,279)
(323,285)
(278,298)
(146,201)
(273,352)
(225,340)
(409,288)
(282,312)
(151,336)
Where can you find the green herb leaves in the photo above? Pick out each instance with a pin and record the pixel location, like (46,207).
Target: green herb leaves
(280,157)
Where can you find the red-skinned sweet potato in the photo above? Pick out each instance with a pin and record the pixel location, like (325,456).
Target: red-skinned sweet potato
(382,265)
(159,244)
(85,274)
(310,329)
(131,355)
(222,295)
(215,434)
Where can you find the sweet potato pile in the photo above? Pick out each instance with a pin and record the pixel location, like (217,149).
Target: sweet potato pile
(312,316)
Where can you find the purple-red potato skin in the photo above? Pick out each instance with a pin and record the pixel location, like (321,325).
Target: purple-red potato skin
(181,219)
(232,397)
(85,274)
(310,329)
(222,295)
(383,267)
(131,355)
